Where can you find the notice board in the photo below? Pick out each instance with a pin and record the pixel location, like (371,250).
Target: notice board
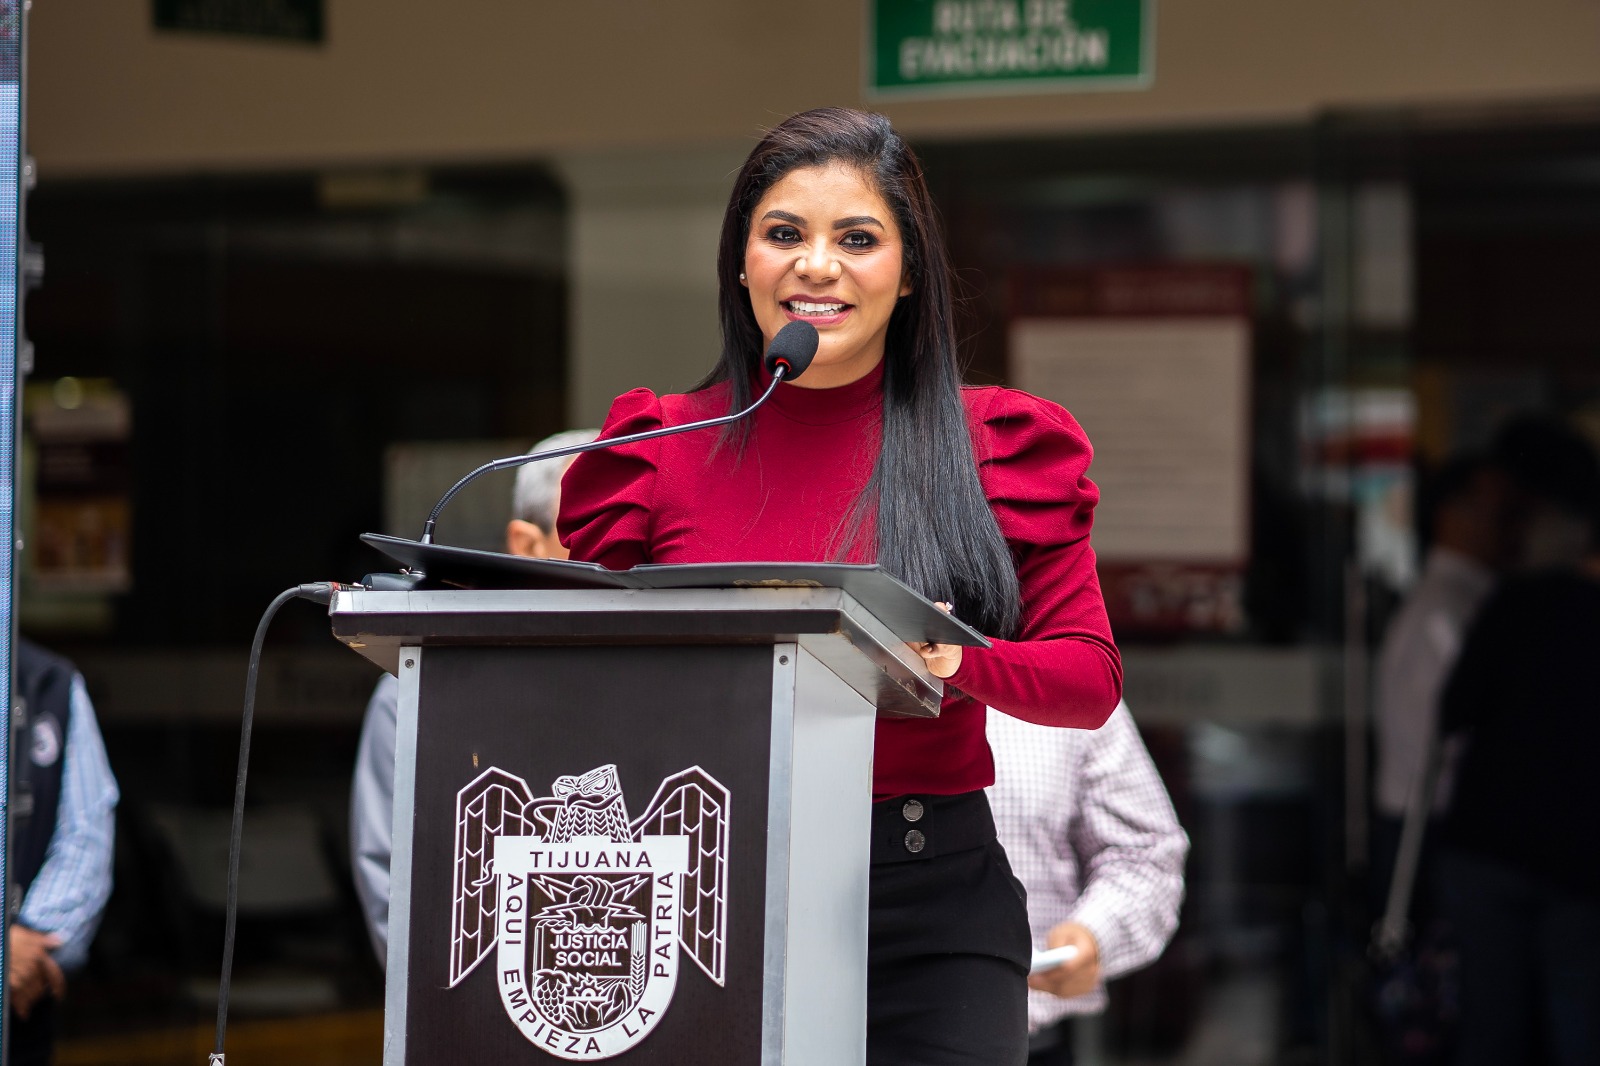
(1154,362)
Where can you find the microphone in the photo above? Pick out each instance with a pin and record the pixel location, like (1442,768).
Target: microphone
(786,358)
(793,348)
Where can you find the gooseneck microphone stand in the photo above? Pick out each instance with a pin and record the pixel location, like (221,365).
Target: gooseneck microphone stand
(511,461)
(786,358)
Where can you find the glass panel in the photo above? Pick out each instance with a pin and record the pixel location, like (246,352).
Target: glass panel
(11,34)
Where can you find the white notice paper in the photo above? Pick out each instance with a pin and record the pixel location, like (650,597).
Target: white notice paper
(1165,402)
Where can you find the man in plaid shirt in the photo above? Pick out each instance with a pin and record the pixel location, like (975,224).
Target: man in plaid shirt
(1091,833)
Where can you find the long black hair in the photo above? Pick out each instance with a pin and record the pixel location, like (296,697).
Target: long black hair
(934,528)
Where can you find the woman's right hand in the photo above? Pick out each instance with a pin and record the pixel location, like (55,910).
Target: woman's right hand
(942,660)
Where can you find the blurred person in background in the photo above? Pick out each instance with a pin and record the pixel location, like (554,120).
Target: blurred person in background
(1092,835)
(1518,872)
(1471,540)
(1552,472)
(63,806)
(535,499)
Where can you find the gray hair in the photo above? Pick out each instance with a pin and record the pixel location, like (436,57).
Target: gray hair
(538,487)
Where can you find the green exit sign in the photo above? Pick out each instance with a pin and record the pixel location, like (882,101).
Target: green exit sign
(960,47)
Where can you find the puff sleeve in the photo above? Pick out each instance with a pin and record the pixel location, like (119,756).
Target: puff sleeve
(607,495)
(1063,669)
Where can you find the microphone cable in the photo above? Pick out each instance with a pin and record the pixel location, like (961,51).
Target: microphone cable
(318,592)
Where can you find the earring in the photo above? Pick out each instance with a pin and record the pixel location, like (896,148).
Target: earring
(741,275)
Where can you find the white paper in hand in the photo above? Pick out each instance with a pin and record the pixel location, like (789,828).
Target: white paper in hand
(1049,960)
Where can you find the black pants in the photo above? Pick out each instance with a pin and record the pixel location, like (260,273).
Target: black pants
(1530,964)
(948,943)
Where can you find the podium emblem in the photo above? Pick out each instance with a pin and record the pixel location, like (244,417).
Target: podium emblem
(587,910)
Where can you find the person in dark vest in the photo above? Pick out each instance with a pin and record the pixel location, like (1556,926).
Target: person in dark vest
(63,804)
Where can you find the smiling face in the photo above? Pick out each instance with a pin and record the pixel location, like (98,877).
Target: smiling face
(824,248)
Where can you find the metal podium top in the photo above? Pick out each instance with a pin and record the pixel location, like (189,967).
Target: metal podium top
(827,622)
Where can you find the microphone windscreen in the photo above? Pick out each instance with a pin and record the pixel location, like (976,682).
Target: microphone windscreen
(794,346)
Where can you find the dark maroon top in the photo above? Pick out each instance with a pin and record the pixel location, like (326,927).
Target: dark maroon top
(680,499)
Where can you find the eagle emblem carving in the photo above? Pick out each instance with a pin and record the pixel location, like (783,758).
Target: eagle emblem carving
(588,909)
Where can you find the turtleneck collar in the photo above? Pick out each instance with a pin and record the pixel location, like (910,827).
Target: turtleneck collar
(829,407)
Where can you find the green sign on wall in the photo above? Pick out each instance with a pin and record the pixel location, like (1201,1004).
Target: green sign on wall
(957,47)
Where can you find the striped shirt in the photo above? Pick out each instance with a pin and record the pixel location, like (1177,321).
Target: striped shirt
(70,892)
(1092,835)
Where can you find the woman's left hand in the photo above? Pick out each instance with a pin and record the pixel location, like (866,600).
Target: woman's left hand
(942,660)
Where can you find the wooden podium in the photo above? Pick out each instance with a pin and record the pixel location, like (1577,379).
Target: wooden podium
(632,823)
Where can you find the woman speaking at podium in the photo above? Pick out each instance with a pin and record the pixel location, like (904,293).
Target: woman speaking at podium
(977,497)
